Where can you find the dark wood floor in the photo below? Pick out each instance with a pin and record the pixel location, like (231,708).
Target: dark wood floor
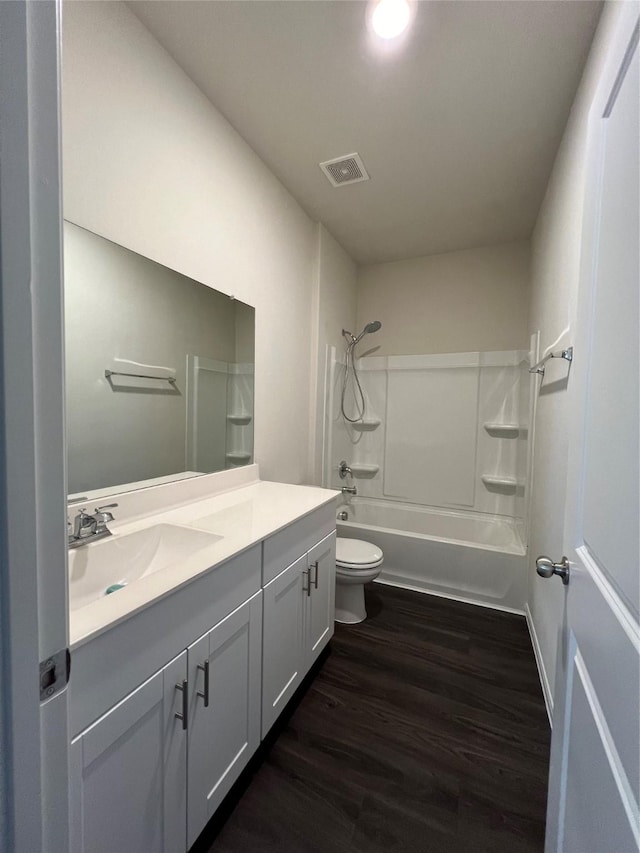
(423,730)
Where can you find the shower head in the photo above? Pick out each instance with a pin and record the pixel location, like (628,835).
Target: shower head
(369,329)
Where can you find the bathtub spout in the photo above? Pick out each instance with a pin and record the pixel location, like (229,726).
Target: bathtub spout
(349,490)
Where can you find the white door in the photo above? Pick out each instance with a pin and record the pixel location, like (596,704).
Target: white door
(595,756)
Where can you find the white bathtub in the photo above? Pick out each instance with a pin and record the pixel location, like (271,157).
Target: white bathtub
(470,557)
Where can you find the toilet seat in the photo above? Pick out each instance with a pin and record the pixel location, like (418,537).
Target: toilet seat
(356,554)
(362,573)
(357,567)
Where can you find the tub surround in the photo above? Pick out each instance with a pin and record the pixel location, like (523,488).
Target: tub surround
(441,467)
(234,505)
(443,430)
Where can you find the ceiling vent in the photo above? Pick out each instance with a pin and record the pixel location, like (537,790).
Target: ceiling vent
(348,169)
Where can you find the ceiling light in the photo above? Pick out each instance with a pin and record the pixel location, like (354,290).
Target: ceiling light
(390,18)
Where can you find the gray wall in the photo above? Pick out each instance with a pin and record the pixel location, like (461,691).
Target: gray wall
(470,301)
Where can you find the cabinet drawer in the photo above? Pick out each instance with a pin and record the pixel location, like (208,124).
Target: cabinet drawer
(283,548)
(108,668)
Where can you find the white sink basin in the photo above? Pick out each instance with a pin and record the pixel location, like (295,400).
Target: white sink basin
(123,559)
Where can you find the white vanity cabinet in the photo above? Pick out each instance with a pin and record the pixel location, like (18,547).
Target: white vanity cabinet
(224,709)
(128,771)
(157,746)
(148,772)
(298,623)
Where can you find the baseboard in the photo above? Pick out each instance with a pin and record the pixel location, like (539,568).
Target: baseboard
(542,672)
(405,583)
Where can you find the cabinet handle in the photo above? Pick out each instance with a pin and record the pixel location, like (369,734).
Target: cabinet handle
(315,581)
(307,588)
(185,704)
(204,668)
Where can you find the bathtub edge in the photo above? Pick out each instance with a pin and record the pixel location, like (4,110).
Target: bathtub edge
(411,585)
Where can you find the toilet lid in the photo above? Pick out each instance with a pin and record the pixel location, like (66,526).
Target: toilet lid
(356,552)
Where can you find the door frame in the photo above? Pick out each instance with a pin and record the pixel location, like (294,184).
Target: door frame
(33,571)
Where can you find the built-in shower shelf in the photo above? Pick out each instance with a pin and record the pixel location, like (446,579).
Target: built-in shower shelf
(240,419)
(504,484)
(238,456)
(367,425)
(501,430)
(362,471)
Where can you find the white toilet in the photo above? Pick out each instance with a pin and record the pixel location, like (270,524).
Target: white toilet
(357,563)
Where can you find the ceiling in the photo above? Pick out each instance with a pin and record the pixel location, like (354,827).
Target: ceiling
(458,125)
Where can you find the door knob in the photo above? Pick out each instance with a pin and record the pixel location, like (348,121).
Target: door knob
(546,568)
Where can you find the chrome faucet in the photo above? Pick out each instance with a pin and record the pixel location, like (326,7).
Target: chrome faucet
(88,528)
(344,471)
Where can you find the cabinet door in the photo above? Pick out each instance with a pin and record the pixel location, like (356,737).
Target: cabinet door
(320,615)
(128,772)
(224,713)
(283,639)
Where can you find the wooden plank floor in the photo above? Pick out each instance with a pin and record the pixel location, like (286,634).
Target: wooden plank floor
(424,730)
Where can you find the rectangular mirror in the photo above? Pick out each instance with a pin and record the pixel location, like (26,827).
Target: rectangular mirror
(159,371)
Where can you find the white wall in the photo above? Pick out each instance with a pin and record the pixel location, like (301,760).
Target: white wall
(150,164)
(555,273)
(335,310)
(475,300)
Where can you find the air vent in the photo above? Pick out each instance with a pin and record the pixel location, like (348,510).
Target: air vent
(348,169)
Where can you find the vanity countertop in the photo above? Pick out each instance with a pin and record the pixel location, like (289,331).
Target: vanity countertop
(242,517)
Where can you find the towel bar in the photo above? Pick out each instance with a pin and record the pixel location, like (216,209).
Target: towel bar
(567,354)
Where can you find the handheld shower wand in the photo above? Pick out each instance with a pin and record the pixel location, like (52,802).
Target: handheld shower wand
(350,367)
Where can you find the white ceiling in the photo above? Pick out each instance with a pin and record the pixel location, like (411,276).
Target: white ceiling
(458,126)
